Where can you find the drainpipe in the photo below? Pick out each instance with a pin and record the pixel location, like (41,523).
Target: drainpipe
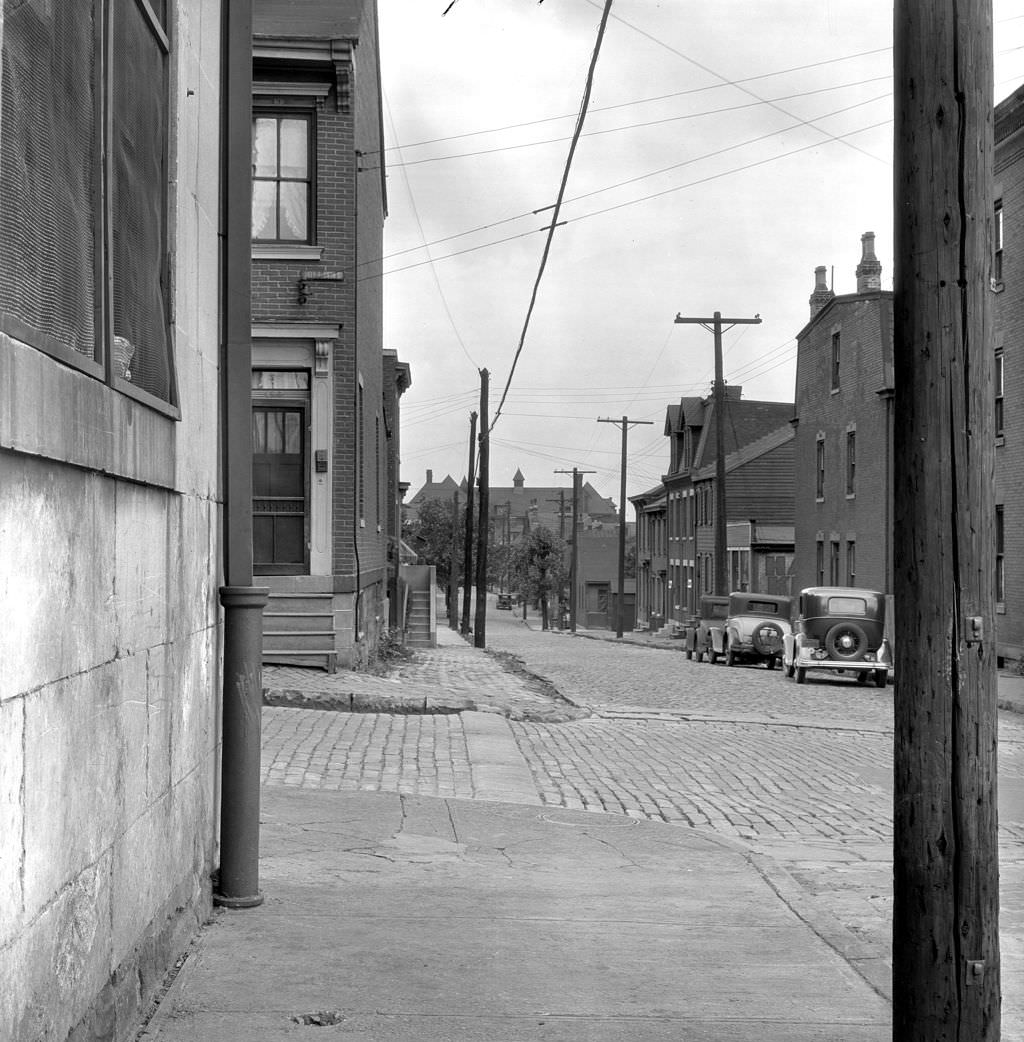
(238,880)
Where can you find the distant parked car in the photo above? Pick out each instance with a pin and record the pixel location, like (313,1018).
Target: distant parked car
(504,602)
(841,630)
(699,636)
(754,629)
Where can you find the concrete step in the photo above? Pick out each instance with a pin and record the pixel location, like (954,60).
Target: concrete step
(327,660)
(299,602)
(298,640)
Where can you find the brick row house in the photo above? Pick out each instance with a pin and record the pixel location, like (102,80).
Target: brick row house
(325,393)
(1008,286)
(676,519)
(844,402)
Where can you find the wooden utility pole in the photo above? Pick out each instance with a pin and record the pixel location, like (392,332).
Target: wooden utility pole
(480,623)
(467,556)
(574,556)
(453,567)
(561,513)
(946,972)
(714,325)
(625,423)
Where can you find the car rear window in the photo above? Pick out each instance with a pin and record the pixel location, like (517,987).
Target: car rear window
(719,611)
(847,606)
(762,608)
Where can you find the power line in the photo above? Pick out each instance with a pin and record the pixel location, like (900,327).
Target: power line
(652,123)
(629,104)
(726,79)
(558,204)
(641,199)
(608,188)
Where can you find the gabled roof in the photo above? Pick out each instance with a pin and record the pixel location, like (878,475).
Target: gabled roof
(745,423)
(750,451)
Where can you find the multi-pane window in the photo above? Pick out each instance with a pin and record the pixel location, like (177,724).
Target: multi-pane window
(819,485)
(997,242)
(820,562)
(833,562)
(1000,550)
(836,346)
(851,463)
(83,161)
(282,183)
(851,563)
(999,393)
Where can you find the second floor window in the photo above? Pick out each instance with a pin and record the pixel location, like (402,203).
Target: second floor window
(998,374)
(997,237)
(851,463)
(820,468)
(836,346)
(281,178)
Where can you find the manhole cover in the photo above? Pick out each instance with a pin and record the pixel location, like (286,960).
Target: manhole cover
(595,820)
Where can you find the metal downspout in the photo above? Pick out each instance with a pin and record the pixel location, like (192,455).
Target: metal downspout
(238,879)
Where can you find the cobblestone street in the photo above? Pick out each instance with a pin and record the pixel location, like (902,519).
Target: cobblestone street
(800,774)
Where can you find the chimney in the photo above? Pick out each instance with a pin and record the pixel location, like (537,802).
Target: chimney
(733,392)
(430,477)
(869,271)
(822,294)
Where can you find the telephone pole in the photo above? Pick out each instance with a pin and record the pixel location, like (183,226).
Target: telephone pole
(714,325)
(574,556)
(467,555)
(625,423)
(480,622)
(561,513)
(946,970)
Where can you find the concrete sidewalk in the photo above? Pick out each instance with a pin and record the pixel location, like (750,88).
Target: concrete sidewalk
(394,917)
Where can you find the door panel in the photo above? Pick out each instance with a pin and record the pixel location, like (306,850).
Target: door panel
(280,503)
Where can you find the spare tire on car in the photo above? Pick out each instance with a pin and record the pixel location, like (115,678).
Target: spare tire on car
(846,641)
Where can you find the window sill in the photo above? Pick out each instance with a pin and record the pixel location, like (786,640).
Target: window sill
(287,252)
(1000,440)
(1000,608)
(997,285)
(834,390)
(851,495)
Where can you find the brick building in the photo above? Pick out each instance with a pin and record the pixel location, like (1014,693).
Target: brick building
(1008,285)
(325,394)
(676,519)
(844,402)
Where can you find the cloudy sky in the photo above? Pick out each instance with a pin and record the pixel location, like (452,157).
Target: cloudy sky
(728,150)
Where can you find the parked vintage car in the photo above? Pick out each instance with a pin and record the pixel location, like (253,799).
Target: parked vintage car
(841,630)
(754,629)
(504,602)
(699,635)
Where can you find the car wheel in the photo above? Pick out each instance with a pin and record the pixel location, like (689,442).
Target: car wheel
(712,656)
(772,659)
(801,674)
(846,641)
(689,653)
(881,677)
(790,670)
(767,638)
(730,656)
(862,676)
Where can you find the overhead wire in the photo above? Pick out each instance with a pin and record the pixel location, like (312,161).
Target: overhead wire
(630,104)
(632,202)
(730,82)
(419,225)
(558,205)
(653,123)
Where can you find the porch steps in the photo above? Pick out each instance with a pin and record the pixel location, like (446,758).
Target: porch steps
(417,623)
(298,630)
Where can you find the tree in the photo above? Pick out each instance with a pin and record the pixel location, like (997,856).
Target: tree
(435,533)
(538,567)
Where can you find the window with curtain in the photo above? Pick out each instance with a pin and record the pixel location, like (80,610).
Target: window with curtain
(282,183)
